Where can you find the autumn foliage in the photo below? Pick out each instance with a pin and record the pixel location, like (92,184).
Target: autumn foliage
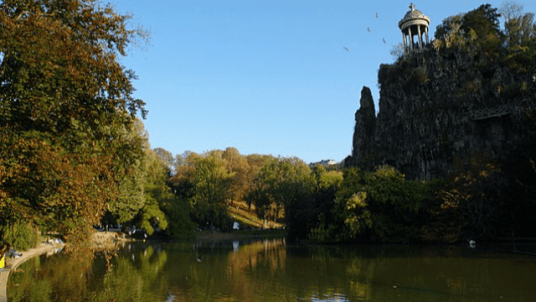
(66,108)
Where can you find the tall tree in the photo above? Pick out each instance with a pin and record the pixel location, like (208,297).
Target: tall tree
(278,184)
(484,21)
(166,158)
(182,182)
(211,189)
(66,108)
(131,187)
(156,192)
(238,166)
(478,30)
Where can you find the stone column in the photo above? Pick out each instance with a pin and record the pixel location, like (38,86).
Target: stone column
(404,41)
(426,32)
(419,35)
(410,38)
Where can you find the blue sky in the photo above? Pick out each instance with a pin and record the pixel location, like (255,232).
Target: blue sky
(265,76)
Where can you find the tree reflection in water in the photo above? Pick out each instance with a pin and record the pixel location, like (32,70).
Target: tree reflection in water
(271,271)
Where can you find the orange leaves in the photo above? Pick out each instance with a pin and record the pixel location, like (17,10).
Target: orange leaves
(3,177)
(54,186)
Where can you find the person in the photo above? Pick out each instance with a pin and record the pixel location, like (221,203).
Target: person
(3,251)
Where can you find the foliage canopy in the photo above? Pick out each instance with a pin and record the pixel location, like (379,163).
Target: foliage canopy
(66,111)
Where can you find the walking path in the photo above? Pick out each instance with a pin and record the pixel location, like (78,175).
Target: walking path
(13,263)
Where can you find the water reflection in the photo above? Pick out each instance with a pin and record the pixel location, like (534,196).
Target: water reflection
(268,270)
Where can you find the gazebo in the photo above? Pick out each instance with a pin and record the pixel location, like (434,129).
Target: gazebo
(414,23)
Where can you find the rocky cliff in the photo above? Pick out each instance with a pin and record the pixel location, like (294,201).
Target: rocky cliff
(436,106)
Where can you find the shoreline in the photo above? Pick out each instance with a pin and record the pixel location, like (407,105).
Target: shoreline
(99,241)
(11,264)
(110,240)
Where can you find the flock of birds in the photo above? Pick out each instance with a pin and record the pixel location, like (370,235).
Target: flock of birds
(369,30)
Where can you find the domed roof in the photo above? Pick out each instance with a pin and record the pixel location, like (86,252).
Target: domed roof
(412,17)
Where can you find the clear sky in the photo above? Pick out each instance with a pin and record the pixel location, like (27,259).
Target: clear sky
(266,76)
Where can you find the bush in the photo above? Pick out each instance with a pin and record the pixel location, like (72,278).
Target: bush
(21,236)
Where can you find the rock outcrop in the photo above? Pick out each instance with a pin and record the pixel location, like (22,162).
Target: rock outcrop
(436,106)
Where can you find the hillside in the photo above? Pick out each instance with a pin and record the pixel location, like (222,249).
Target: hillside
(247,217)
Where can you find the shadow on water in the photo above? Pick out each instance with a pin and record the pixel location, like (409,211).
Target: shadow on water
(270,270)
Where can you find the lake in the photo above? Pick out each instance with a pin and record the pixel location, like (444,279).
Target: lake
(271,270)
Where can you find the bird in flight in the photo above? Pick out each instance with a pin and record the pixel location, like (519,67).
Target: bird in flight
(346,48)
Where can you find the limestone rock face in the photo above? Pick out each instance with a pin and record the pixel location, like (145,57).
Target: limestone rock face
(365,122)
(435,107)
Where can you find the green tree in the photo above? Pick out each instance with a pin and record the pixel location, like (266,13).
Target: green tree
(255,163)
(313,211)
(156,192)
(180,225)
(477,30)
(326,179)
(182,182)
(211,187)
(167,158)
(378,205)
(65,105)
(151,216)
(484,21)
(278,185)
(156,182)
(132,187)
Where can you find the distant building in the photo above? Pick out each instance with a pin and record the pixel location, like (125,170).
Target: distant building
(325,163)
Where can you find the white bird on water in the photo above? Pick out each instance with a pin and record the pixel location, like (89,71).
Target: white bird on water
(170,298)
(472,244)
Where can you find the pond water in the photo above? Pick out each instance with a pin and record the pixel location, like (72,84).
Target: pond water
(270,270)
